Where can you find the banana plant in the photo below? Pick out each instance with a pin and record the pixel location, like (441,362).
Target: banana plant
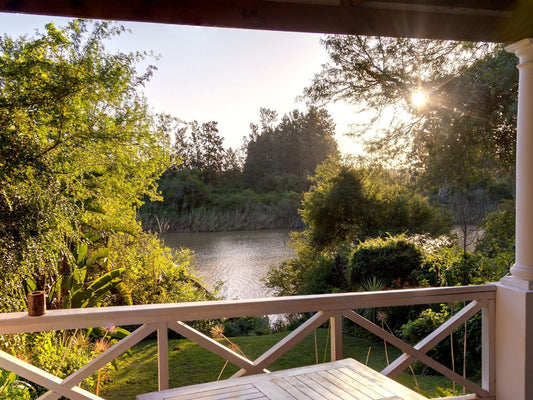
(72,286)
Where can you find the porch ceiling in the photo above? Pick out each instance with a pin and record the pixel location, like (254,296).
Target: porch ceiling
(473,20)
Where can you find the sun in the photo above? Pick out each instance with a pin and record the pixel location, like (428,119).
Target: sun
(419,98)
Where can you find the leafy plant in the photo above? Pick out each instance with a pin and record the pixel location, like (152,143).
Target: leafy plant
(72,288)
(11,387)
(391,260)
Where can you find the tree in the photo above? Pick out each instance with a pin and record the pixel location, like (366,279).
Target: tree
(379,75)
(205,151)
(79,149)
(461,143)
(347,205)
(292,148)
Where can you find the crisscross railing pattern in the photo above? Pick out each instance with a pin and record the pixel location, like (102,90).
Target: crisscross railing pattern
(333,307)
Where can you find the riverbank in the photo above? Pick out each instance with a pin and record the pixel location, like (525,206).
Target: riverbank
(275,216)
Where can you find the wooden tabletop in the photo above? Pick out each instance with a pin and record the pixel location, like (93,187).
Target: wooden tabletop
(345,379)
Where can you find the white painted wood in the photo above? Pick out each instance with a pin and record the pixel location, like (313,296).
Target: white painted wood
(158,316)
(291,340)
(43,378)
(426,344)
(213,346)
(413,353)
(523,267)
(99,362)
(162,356)
(336,336)
(155,313)
(488,342)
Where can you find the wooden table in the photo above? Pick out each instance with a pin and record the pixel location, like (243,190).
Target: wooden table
(345,379)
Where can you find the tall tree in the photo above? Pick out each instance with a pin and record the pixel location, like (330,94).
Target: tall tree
(78,147)
(379,76)
(293,147)
(460,142)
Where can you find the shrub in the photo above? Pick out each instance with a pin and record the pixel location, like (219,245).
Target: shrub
(391,260)
(499,230)
(13,388)
(452,266)
(429,320)
(153,274)
(247,326)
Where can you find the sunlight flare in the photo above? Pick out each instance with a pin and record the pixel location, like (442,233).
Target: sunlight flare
(419,98)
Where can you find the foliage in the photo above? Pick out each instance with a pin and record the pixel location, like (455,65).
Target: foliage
(452,266)
(13,388)
(282,156)
(247,326)
(461,143)
(60,353)
(219,209)
(468,133)
(349,204)
(85,281)
(498,231)
(182,190)
(391,260)
(286,278)
(153,274)
(429,320)
(79,149)
(200,147)
(379,75)
(53,353)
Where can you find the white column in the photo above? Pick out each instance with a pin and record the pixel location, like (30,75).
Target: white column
(523,267)
(514,295)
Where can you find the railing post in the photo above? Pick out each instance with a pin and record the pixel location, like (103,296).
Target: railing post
(488,346)
(336,336)
(162,355)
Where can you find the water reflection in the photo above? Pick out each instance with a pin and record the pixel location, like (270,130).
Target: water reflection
(239,259)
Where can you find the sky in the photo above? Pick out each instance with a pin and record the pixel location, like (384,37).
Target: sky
(215,74)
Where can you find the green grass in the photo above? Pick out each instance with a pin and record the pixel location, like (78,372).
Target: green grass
(189,363)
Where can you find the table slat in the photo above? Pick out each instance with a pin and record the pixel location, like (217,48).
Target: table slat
(339,380)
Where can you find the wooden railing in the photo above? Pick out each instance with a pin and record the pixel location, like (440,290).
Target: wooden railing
(333,307)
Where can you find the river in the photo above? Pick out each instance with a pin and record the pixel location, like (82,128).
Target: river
(238,259)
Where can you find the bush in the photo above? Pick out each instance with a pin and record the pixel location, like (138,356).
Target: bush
(452,266)
(429,320)
(13,388)
(391,260)
(349,204)
(247,326)
(325,275)
(153,274)
(499,230)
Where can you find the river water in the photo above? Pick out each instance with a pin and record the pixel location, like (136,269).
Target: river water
(238,259)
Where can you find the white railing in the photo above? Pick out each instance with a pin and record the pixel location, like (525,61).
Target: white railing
(333,307)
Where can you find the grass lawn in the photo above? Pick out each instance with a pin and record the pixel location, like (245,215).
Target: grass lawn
(189,363)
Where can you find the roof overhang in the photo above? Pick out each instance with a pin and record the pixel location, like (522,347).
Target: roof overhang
(472,20)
